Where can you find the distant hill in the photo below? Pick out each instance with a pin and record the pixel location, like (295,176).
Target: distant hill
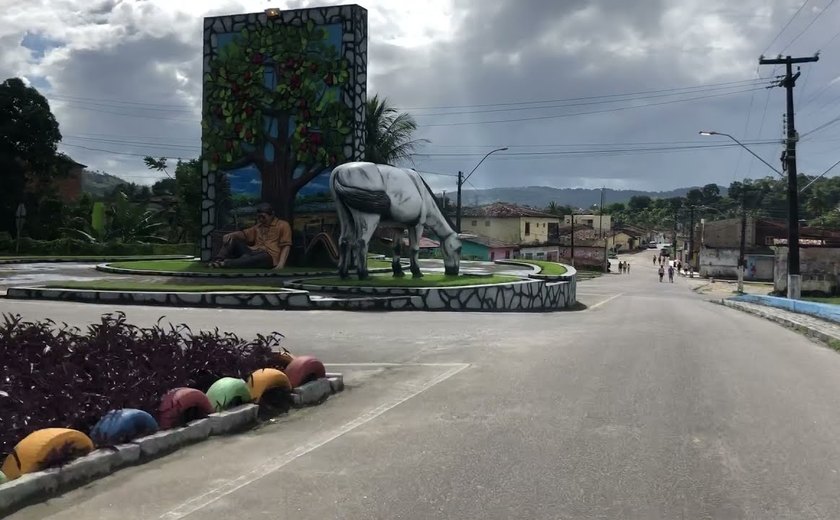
(98,184)
(541,196)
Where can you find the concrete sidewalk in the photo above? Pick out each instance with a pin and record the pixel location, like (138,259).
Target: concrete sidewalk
(810,326)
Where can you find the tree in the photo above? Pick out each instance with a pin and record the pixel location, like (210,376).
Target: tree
(125,222)
(638,202)
(388,133)
(711,194)
(28,138)
(694,197)
(187,190)
(273,101)
(614,208)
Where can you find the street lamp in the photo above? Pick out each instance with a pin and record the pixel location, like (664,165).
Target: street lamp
(793,229)
(462,180)
(711,132)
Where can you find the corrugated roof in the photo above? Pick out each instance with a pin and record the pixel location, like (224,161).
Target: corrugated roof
(505,210)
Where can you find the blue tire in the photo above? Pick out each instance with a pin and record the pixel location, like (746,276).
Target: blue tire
(119,426)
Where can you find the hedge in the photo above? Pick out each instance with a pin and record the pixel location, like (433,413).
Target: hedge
(63,377)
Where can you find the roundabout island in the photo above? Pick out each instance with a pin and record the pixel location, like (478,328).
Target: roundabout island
(503,286)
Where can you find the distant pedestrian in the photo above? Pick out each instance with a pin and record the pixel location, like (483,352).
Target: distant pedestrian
(654,259)
(671,273)
(627,267)
(661,273)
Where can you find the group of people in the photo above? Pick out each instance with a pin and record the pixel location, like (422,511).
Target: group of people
(670,273)
(623,267)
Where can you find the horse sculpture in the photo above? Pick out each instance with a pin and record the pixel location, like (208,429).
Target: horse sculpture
(367,195)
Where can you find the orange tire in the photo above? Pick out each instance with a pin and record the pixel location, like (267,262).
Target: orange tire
(266,379)
(44,448)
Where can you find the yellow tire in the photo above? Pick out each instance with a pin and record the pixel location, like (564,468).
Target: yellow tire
(43,448)
(266,379)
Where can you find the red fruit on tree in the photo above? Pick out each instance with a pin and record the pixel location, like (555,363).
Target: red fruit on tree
(217,157)
(249,135)
(249,111)
(328,80)
(238,128)
(247,76)
(229,144)
(313,67)
(304,131)
(257,58)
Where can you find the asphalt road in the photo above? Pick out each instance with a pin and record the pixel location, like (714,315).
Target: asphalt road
(651,404)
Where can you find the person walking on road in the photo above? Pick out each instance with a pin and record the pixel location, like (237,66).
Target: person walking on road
(671,273)
(661,273)
(627,267)
(654,259)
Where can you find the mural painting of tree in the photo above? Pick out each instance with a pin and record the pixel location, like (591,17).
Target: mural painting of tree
(273,101)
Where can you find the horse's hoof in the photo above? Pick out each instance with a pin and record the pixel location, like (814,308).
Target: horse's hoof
(399,274)
(417,275)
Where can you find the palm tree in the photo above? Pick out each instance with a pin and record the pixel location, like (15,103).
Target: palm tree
(388,133)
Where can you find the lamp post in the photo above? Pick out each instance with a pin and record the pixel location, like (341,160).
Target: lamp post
(793,230)
(462,180)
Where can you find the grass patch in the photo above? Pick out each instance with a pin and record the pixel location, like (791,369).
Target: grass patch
(191,266)
(834,300)
(429,280)
(122,285)
(549,268)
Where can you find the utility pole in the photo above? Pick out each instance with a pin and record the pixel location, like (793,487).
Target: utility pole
(691,242)
(458,216)
(741,256)
(674,245)
(789,163)
(573,239)
(603,237)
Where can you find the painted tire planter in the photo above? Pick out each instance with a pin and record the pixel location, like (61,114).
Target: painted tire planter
(2,478)
(43,448)
(228,392)
(182,405)
(303,369)
(267,379)
(119,426)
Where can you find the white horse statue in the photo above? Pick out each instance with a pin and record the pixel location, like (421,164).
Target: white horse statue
(367,195)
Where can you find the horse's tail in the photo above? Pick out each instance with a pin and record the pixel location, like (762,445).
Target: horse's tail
(368,201)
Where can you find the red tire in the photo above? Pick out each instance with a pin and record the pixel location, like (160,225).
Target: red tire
(303,369)
(181,405)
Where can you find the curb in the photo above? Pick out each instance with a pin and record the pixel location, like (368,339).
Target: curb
(38,486)
(785,322)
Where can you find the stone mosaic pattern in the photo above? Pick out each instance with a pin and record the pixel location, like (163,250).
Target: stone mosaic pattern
(105,268)
(354,42)
(526,296)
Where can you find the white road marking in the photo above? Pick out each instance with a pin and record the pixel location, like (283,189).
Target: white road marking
(605,301)
(271,465)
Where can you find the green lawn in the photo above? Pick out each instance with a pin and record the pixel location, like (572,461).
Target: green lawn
(549,268)
(121,285)
(190,266)
(429,280)
(834,300)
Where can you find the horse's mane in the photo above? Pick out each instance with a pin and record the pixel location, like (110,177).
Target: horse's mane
(440,209)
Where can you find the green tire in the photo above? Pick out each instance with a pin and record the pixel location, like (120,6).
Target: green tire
(2,478)
(228,392)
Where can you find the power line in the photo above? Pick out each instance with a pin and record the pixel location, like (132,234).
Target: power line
(583,103)
(556,116)
(107,151)
(785,27)
(822,126)
(593,151)
(817,17)
(115,101)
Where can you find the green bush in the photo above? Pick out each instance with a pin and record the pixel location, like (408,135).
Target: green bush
(74,247)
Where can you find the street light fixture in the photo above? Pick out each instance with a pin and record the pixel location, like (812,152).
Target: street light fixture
(462,180)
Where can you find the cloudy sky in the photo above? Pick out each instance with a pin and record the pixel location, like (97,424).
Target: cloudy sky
(584,93)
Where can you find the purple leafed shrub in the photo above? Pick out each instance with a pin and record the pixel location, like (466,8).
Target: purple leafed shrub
(64,377)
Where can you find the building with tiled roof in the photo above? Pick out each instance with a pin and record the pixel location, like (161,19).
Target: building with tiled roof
(509,223)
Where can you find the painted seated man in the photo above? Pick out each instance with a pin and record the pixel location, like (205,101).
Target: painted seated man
(266,244)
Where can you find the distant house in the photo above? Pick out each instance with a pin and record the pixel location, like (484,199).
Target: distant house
(67,185)
(479,247)
(509,223)
(601,223)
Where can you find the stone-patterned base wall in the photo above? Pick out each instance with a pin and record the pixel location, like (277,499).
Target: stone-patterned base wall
(526,296)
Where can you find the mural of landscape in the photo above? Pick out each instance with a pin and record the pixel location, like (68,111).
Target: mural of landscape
(283,103)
